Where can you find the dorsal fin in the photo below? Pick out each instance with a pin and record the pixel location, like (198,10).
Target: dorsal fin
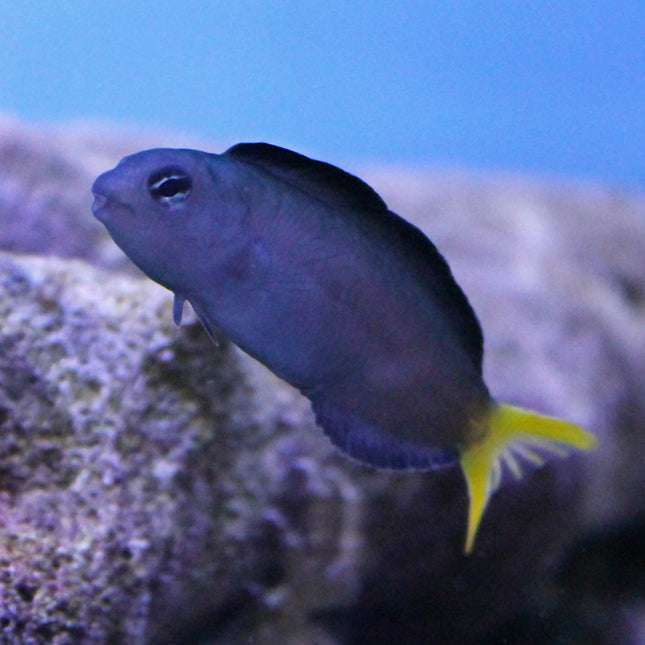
(435,272)
(316,178)
(336,187)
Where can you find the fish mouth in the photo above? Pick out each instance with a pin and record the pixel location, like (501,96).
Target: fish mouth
(106,207)
(102,196)
(100,201)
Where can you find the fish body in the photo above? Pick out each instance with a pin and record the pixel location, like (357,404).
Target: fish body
(304,267)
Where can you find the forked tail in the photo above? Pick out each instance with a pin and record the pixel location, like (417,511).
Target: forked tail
(519,440)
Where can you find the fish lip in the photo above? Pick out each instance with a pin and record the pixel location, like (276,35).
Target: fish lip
(100,201)
(104,204)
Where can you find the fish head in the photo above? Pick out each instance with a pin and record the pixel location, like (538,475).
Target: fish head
(176,213)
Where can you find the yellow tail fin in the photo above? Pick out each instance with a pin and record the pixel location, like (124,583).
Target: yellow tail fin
(519,440)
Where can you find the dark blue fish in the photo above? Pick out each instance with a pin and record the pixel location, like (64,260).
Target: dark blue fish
(304,267)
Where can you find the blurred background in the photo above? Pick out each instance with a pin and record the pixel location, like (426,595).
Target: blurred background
(548,88)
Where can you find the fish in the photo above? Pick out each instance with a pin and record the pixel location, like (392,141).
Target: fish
(304,267)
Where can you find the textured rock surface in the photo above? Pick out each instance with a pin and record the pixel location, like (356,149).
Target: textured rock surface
(156,489)
(146,476)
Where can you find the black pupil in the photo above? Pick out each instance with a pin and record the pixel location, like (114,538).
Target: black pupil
(169,183)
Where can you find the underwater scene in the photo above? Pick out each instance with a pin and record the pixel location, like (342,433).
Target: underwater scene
(159,488)
(263,382)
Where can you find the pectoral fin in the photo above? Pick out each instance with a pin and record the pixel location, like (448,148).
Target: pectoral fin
(178,309)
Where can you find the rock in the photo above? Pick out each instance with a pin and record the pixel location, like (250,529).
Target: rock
(151,482)
(155,489)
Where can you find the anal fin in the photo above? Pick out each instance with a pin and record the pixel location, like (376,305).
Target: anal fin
(373,446)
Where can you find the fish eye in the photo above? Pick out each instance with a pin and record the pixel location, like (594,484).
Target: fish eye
(169,185)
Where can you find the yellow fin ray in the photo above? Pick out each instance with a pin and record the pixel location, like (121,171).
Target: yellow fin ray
(518,440)
(509,459)
(496,475)
(527,454)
